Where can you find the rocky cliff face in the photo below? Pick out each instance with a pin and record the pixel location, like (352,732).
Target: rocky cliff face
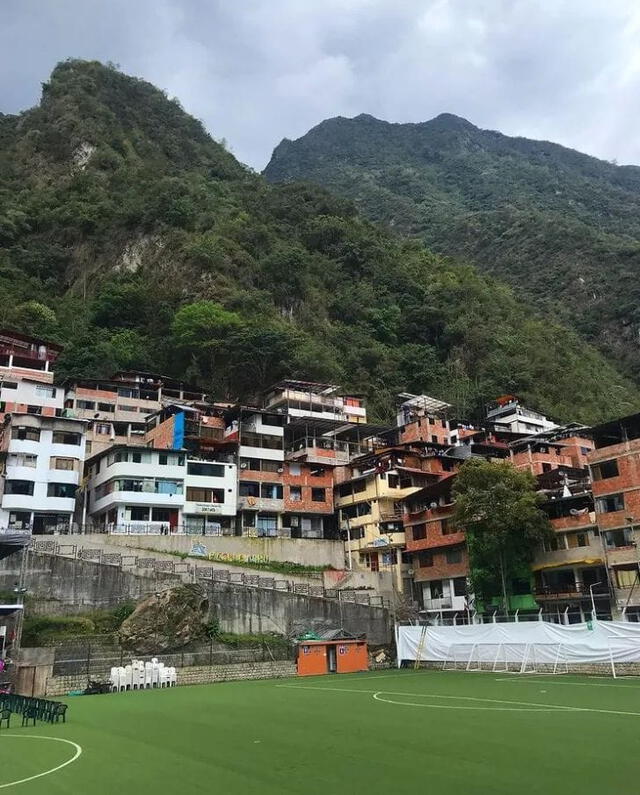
(166,621)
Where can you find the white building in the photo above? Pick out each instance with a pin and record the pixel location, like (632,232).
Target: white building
(211,497)
(145,490)
(42,460)
(508,414)
(135,489)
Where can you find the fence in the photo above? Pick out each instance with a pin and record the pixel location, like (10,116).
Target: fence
(94,656)
(194,573)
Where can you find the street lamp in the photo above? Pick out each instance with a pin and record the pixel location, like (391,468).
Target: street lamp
(593,604)
(346,525)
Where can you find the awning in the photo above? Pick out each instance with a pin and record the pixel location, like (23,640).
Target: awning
(564,564)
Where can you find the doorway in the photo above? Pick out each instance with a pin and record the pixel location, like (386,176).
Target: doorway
(332,659)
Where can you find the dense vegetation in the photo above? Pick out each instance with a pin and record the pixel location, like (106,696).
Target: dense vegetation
(561,227)
(130,235)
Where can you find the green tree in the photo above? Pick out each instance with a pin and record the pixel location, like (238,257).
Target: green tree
(498,507)
(203,331)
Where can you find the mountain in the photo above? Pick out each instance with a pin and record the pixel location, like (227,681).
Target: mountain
(561,227)
(134,238)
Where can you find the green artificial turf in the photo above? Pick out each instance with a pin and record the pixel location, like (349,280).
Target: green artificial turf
(450,732)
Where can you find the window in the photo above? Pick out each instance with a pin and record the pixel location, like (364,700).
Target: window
(270,466)
(163,459)
(437,589)
(160,515)
(46,391)
(271,491)
(447,528)
(22,460)
(205,495)
(627,578)
(64,437)
(206,470)
(34,409)
(425,559)
(138,514)
(67,490)
(454,555)
(68,464)
(295,470)
(103,428)
(610,503)
(26,434)
(247,489)
(267,525)
(605,469)
(460,586)
(546,467)
(434,439)
(295,493)
(109,408)
(9,385)
(360,509)
(575,540)
(86,404)
(19,520)
(392,480)
(619,538)
(317,472)
(419,531)
(168,487)
(318,495)
(19,487)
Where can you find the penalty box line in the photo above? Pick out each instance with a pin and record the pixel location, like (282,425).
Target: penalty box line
(552,707)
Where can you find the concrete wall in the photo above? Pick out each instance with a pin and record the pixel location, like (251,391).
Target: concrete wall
(238,608)
(306,552)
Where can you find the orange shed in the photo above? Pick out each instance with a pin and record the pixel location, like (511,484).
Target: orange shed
(331,652)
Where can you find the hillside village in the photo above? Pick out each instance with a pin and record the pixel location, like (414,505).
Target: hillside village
(142,455)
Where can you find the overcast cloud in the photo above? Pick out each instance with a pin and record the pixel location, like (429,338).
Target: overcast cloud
(256,71)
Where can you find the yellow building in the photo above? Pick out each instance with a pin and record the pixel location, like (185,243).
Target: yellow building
(369,505)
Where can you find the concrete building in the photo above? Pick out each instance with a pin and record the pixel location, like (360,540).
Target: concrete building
(133,489)
(317,401)
(116,409)
(422,418)
(42,459)
(259,434)
(508,414)
(571,566)
(368,499)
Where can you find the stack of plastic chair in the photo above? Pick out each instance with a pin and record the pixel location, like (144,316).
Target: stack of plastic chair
(148,674)
(163,675)
(173,676)
(114,680)
(137,675)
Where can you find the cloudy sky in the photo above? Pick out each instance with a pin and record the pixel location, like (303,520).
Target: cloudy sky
(256,71)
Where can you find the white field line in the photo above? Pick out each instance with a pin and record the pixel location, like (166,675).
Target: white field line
(566,684)
(46,772)
(553,707)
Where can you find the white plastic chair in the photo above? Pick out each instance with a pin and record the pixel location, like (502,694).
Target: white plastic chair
(114,680)
(173,677)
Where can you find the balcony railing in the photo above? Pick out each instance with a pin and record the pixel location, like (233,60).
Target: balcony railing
(570,589)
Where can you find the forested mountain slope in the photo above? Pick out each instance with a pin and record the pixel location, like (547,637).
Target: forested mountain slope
(130,235)
(561,227)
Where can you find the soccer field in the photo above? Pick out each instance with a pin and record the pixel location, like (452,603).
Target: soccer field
(390,731)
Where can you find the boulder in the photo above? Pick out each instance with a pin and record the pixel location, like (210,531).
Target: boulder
(166,621)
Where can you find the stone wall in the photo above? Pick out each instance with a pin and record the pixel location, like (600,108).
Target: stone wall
(201,675)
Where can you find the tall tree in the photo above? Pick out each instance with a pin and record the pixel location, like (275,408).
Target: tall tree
(498,507)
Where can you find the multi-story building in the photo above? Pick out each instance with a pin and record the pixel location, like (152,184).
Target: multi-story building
(42,458)
(24,356)
(615,476)
(259,435)
(117,408)
(421,418)
(317,401)
(130,488)
(368,498)
(570,568)
(508,414)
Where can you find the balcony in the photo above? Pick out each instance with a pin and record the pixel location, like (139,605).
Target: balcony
(589,555)
(260,504)
(575,590)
